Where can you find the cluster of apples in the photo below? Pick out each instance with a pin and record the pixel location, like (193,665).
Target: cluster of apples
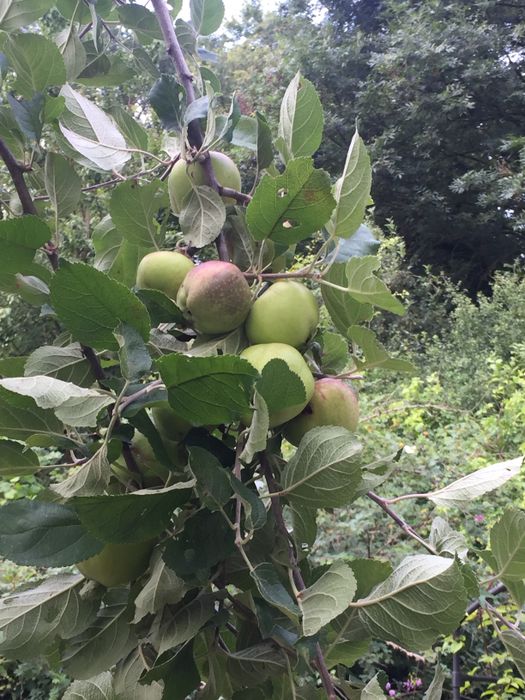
(216,298)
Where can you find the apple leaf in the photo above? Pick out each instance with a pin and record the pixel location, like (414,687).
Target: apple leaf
(21,419)
(289,207)
(206,15)
(20,239)
(17,460)
(272,589)
(63,185)
(36,61)
(366,288)
(207,389)
(18,13)
(134,208)
(163,587)
(174,628)
(435,689)
(134,356)
(99,687)
(409,608)
(202,217)
(279,386)
(514,642)
(38,533)
(141,20)
(325,471)
(31,620)
(344,310)
(375,354)
(91,305)
(213,484)
(259,427)
(352,191)
(90,478)
(507,542)
(301,121)
(325,599)
(66,363)
(74,405)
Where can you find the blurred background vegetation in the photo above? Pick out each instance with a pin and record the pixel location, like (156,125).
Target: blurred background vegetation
(437,89)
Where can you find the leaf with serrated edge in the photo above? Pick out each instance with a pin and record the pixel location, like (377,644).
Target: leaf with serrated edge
(326,469)
(176,628)
(203,216)
(21,419)
(328,597)
(301,121)
(97,688)
(514,642)
(62,185)
(72,404)
(366,288)
(446,540)
(507,542)
(32,619)
(476,484)
(272,589)
(344,310)
(37,62)
(126,679)
(423,598)
(352,191)
(107,640)
(89,479)
(91,132)
(375,353)
(67,363)
(163,587)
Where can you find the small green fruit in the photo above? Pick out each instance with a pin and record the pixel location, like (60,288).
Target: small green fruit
(146,460)
(333,402)
(286,313)
(184,174)
(117,564)
(163,270)
(169,424)
(215,297)
(260,355)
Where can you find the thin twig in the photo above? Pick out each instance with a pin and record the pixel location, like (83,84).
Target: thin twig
(382,503)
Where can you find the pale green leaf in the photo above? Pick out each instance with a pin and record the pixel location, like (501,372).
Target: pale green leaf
(514,642)
(88,479)
(507,542)
(435,689)
(163,587)
(375,354)
(327,598)
(301,121)
(366,288)
(18,13)
(63,185)
(36,61)
(97,688)
(203,217)
(206,15)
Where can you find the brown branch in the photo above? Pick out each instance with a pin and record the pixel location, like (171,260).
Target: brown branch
(235,194)
(382,503)
(332,693)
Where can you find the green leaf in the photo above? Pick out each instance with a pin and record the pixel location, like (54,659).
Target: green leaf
(187,37)
(304,526)
(352,191)
(134,133)
(134,357)
(366,288)
(98,688)
(213,485)
(178,673)
(344,310)
(178,627)
(435,689)
(66,363)
(254,664)
(32,289)
(17,460)
(126,679)
(207,390)
(372,690)
(360,244)
(32,619)
(20,238)
(141,20)
(90,478)
(423,598)
(264,142)
(447,540)
(28,115)
(63,185)
(325,471)
(301,121)
(167,99)
(514,642)
(376,355)
(39,533)
(334,355)
(254,510)
(206,15)
(329,596)
(291,206)
(279,386)
(134,517)
(259,427)
(203,217)
(91,132)
(103,302)
(271,588)
(507,542)
(19,13)
(163,587)
(476,484)
(73,52)
(369,573)
(21,419)
(74,405)
(160,307)
(10,132)
(103,643)
(36,61)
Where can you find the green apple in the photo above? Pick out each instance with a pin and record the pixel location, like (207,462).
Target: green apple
(334,402)
(169,424)
(260,355)
(146,460)
(117,564)
(184,175)
(215,297)
(163,270)
(287,312)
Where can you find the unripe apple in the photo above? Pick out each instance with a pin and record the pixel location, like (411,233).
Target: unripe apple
(169,424)
(117,564)
(334,402)
(287,312)
(146,460)
(260,355)
(163,270)
(215,297)
(183,174)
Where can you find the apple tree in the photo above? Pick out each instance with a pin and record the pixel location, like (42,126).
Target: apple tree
(189,357)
